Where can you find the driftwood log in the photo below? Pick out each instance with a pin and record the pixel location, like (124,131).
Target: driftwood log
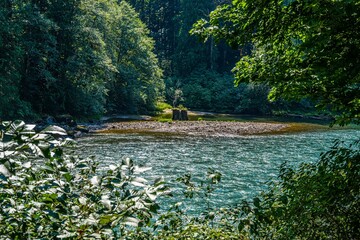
(179,115)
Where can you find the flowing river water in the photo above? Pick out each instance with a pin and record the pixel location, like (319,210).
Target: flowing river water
(246,162)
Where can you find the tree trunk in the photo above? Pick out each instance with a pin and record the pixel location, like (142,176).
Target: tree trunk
(179,115)
(184,115)
(176,114)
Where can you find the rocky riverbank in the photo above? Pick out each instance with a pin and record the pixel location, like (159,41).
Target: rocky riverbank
(226,126)
(199,128)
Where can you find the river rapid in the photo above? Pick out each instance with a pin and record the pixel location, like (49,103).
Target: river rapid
(247,163)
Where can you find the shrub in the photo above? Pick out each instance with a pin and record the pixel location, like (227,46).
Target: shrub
(207,223)
(317,201)
(46,193)
(161,106)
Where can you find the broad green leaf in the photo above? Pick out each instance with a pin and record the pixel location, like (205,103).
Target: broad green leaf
(16,126)
(128,162)
(54,130)
(141,169)
(6,123)
(151,195)
(131,221)
(138,184)
(68,142)
(112,167)
(106,202)
(68,177)
(36,150)
(104,220)
(67,234)
(4,171)
(159,181)
(96,236)
(95,181)
(27,165)
(91,220)
(82,165)
(10,191)
(139,179)
(83,200)
(52,214)
(47,168)
(28,129)
(42,137)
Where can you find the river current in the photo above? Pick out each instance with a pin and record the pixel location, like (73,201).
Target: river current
(247,163)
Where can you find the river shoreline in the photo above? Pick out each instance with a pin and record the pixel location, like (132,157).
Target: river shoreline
(211,124)
(200,128)
(207,124)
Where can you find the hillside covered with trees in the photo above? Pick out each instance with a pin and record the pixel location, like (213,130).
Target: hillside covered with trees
(89,58)
(76,57)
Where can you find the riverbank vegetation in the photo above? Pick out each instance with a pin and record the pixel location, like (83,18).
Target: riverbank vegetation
(108,57)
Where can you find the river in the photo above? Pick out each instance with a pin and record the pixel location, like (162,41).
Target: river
(246,162)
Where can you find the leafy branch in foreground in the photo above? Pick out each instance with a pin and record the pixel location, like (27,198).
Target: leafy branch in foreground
(46,193)
(182,222)
(317,201)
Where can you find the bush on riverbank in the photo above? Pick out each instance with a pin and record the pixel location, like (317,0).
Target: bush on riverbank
(46,193)
(318,200)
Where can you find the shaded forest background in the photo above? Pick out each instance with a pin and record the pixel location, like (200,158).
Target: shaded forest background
(95,57)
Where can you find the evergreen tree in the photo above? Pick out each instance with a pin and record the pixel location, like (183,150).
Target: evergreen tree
(38,79)
(138,80)
(64,56)
(11,59)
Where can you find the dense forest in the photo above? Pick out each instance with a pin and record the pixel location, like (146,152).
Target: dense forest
(89,58)
(77,57)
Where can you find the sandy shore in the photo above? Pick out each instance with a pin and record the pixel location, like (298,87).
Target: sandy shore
(199,128)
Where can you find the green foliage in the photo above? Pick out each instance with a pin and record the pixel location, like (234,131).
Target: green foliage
(182,55)
(316,201)
(211,91)
(46,193)
(161,106)
(174,93)
(180,107)
(11,27)
(209,223)
(299,48)
(138,83)
(165,120)
(95,56)
(200,230)
(252,99)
